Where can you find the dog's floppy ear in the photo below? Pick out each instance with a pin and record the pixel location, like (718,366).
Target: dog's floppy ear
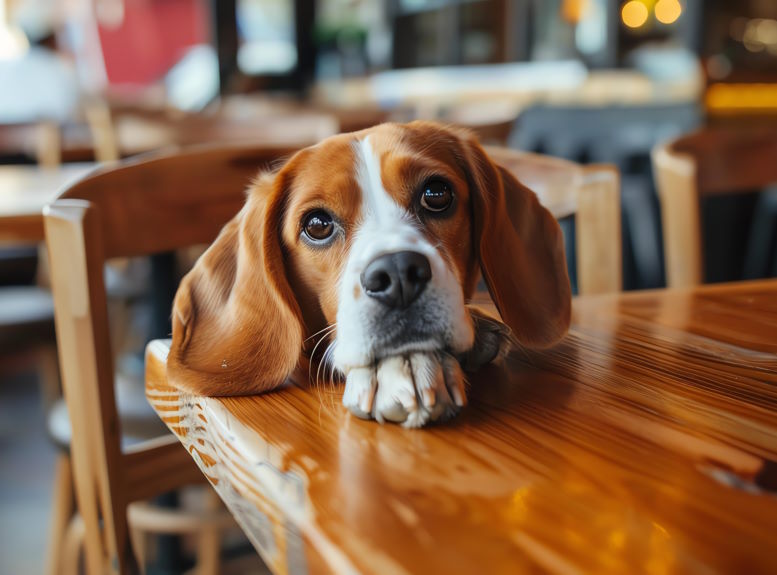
(237,328)
(521,250)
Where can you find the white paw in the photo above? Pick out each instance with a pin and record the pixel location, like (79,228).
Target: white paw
(411,389)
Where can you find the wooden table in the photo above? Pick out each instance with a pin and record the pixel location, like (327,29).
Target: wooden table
(24,190)
(646,442)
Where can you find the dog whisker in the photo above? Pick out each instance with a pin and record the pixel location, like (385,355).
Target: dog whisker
(330,379)
(329,330)
(326,331)
(334,375)
(317,381)
(325,363)
(322,362)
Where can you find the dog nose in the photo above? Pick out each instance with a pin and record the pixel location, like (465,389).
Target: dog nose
(396,279)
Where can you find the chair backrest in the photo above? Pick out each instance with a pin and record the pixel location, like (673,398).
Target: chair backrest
(590,193)
(137,208)
(713,161)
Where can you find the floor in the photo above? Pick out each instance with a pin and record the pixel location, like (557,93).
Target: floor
(26,469)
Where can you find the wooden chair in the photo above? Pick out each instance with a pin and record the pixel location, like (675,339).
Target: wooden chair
(709,162)
(136,208)
(592,194)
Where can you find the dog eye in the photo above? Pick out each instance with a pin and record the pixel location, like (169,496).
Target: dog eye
(436,196)
(318,226)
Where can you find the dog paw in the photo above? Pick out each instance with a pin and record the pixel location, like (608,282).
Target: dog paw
(412,389)
(493,341)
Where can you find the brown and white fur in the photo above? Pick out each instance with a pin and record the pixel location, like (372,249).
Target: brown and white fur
(244,314)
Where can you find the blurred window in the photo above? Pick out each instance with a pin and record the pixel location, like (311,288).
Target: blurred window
(266,35)
(564,29)
(554,35)
(591,31)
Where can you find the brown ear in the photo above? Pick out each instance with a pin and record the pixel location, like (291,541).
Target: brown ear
(521,251)
(237,328)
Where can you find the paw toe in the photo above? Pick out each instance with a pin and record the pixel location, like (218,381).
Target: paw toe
(412,390)
(395,397)
(359,394)
(454,380)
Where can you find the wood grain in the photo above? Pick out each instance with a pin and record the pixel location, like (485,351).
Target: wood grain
(645,442)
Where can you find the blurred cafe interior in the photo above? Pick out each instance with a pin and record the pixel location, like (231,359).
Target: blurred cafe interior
(661,90)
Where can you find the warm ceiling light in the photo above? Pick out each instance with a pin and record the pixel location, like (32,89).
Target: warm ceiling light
(668,11)
(634,14)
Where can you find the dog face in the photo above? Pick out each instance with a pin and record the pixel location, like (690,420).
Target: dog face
(386,231)
(376,240)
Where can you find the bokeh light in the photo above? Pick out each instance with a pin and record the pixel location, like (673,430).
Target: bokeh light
(634,14)
(668,11)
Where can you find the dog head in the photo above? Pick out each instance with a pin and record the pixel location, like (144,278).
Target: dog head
(376,238)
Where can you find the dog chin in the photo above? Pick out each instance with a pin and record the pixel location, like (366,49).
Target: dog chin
(390,335)
(346,359)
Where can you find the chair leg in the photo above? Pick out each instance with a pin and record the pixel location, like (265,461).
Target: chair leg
(48,374)
(209,542)
(761,240)
(72,546)
(61,513)
(138,539)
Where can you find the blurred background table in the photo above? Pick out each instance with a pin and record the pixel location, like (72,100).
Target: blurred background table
(645,441)
(24,190)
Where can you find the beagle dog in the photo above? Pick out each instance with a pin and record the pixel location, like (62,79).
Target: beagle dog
(374,241)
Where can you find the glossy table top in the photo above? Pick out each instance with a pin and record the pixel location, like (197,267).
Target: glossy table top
(24,190)
(646,442)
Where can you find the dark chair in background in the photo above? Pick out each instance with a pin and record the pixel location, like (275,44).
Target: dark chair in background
(623,136)
(761,258)
(708,165)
